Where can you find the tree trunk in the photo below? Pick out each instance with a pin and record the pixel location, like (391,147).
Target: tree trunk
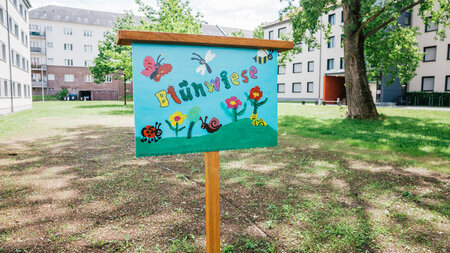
(124,92)
(359,98)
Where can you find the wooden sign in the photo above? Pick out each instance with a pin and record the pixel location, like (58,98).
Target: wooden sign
(196,93)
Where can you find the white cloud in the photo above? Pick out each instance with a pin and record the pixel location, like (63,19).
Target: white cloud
(244,14)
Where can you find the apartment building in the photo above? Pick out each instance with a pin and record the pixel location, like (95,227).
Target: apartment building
(64,44)
(15,81)
(433,73)
(318,73)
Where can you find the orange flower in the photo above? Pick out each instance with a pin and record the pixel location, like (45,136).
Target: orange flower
(255,93)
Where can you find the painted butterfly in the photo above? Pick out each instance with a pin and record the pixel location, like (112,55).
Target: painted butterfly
(155,70)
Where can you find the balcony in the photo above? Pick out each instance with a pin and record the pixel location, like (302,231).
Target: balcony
(37,33)
(39,67)
(36,83)
(37,50)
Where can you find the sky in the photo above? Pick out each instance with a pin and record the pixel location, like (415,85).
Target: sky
(243,14)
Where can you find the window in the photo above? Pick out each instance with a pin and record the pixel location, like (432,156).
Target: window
(108,79)
(447,83)
(407,19)
(428,83)
(49,28)
(310,48)
(88,78)
(13,90)
(16,30)
(67,30)
(2,16)
(281,88)
(19,90)
(270,35)
(342,16)
(430,53)
(330,64)
(15,2)
(331,19)
(68,62)
(5,88)
(34,27)
(87,33)
(296,87)
(297,68)
(17,60)
(311,66)
(331,42)
(36,77)
(50,44)
(49,61)
(430,27)
(281,70)
(22,37)
(310,88)
(51,77)
(88,63)
(341,64)
(21,9)
(68,47)
(342,40)
(3,51)
(281,31)
(68,78)
(88,48)
(448,52)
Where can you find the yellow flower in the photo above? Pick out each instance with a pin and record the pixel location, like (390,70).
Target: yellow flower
(177,117)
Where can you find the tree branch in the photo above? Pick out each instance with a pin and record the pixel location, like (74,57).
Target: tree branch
(385,23)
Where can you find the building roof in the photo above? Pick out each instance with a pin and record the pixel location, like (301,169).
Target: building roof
(277,21)
(102,18)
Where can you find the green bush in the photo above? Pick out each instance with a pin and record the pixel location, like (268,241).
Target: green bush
(129,98)
(426,98)
(46,98)
(62,94)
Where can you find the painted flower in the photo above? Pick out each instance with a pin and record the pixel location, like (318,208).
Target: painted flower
(255,93)
(233,102)
(177,117)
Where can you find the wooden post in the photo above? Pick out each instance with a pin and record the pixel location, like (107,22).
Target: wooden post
(212,202)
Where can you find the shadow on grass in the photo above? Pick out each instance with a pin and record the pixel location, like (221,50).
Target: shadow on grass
(412,136)
(85,191)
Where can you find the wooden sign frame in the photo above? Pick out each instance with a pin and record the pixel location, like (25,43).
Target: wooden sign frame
(212,192)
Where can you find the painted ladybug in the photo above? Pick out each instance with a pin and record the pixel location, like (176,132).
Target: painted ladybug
(151,133)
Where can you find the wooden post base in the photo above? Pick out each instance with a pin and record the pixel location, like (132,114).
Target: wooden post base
(212,202)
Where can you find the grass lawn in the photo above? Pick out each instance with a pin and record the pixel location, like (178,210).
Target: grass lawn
(69,181)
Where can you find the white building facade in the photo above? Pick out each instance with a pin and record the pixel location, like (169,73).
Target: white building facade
(15,80)
(433,73)
(304,78)
(317,74)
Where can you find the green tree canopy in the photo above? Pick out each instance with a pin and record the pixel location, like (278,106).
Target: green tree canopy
(374,42)
(258,33)
(172,16)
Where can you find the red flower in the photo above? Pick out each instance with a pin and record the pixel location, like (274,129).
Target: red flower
(255,93)
(233,102)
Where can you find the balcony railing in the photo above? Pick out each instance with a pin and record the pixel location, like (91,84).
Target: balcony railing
(37,50)
(38,83)
(37,33)
(38,66)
